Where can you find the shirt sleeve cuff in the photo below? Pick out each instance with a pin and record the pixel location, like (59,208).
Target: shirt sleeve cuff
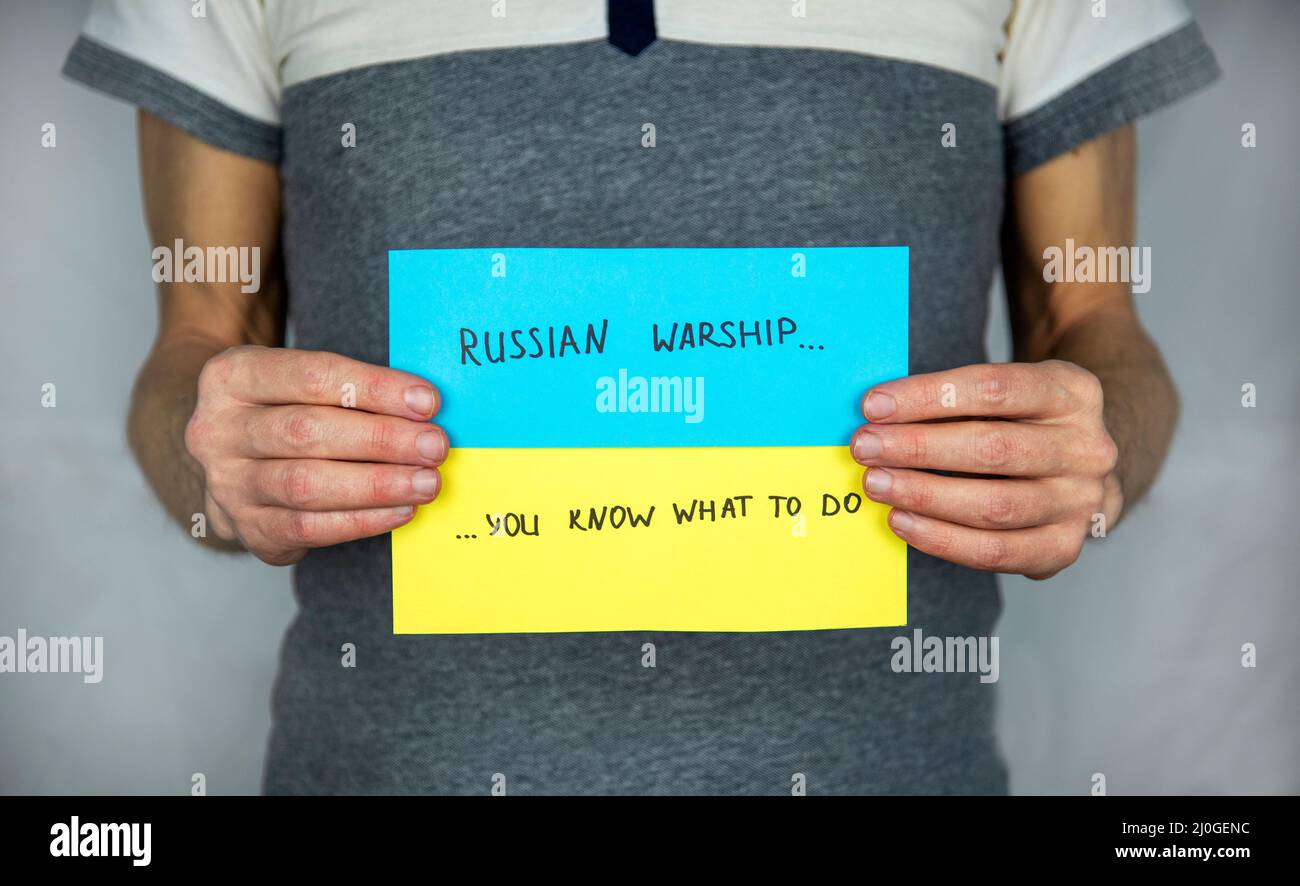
(107,70)
(1141,82)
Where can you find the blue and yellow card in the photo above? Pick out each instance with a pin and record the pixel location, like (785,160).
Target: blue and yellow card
(649,439)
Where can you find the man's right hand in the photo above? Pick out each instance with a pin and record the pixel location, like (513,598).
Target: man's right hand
(302,449)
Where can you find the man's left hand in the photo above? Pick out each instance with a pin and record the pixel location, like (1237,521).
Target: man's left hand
(1033,436)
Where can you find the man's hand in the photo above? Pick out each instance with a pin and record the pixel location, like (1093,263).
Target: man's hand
(288,466)
(1033,434)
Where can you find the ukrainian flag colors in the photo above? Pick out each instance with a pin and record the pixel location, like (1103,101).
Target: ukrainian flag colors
(649,439)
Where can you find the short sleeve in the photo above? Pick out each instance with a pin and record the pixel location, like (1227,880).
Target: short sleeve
(1074,69)
(211,75)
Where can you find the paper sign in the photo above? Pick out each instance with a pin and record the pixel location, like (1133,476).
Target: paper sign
(649,439)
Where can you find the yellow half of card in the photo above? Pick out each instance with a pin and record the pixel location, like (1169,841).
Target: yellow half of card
(648,539)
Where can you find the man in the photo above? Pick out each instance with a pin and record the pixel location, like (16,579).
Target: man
(326,134)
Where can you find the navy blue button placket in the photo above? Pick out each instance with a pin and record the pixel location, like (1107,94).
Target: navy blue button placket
(631,24)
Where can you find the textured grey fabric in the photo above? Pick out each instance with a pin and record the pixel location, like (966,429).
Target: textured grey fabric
(541,147)
(1148,78)
(108,70)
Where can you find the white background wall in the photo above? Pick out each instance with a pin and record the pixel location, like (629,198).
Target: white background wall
(1127,664)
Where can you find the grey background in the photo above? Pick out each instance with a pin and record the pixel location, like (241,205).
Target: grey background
(1127,664)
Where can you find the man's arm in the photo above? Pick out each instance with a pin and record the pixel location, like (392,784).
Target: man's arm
(1038,447)
(1088,195)
(282,450)
(204,197)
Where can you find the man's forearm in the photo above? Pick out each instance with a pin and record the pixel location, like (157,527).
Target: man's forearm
(161,405)
(1141,403)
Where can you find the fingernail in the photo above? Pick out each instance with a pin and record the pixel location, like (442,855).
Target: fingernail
(878,481)
(419,399)
(867,446)
(879,405)
(425,483)
(901,521)
(431,445)
(401,513)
